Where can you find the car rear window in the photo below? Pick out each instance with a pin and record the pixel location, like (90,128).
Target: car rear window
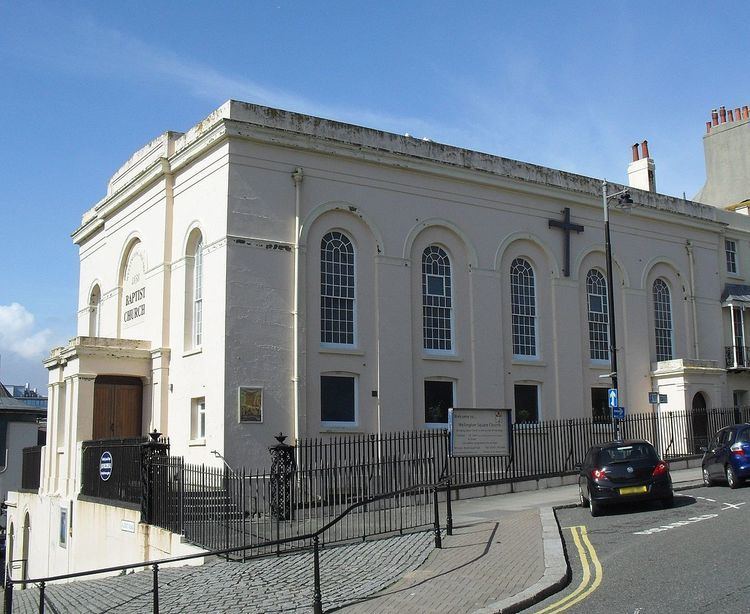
(744,435)
(626,454)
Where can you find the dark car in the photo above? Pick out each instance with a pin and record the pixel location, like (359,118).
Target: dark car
(623,472)
(728,456)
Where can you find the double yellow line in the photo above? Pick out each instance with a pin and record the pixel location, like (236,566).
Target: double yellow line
(589,582)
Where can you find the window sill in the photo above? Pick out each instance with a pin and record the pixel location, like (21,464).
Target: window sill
(197,442)
(340,428)
(446,357)
(532,361)
(61,450)
(333,349)
(192,352)
(604,365)
(436,426)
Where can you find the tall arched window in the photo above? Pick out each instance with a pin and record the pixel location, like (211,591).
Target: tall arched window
(662,320)
(94,311)
(194,291)
(523,308)
(437,302)
(337,290)
(598,315)
(198,294)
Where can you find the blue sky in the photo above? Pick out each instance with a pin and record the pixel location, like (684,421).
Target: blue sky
(564,84)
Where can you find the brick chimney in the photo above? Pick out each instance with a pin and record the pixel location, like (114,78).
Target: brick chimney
(642,171)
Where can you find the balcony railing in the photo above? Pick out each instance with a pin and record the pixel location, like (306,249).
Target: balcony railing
(30,467)
(737,357)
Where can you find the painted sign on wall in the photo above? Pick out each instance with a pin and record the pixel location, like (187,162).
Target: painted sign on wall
(134,288)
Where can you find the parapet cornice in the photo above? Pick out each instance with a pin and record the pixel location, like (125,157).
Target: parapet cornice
(235,119)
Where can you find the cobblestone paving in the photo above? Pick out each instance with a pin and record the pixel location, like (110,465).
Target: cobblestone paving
(264,585)
(485,560)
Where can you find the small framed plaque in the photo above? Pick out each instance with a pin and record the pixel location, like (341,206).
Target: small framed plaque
(250,403)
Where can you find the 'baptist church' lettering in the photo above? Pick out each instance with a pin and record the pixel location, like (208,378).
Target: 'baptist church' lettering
(138,311)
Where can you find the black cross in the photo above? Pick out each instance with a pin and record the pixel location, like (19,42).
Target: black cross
(566,227)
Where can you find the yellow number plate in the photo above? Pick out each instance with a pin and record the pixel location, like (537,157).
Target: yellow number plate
(633,490)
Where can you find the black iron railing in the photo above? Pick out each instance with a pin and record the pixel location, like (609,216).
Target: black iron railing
(313,540)
(30,468)
(111,469)
(219,508)
(311,482)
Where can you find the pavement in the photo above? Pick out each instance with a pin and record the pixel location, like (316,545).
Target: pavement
(505,554)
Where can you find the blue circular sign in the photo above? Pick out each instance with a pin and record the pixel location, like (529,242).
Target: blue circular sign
(105,466)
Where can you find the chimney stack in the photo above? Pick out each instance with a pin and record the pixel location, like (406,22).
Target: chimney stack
(642,171)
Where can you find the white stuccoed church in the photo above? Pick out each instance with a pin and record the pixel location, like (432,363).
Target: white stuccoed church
(269,271)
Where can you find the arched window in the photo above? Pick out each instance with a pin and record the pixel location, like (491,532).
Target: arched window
(598,315)
(94,311)
(662,320)
(194,291)
(198,294)
(523,308)
(337,279)
(437,302)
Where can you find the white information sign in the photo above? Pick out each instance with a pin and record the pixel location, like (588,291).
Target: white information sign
(480,432)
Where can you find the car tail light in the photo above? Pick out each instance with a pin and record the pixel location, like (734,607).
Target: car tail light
(737,449)
(599,474)
(660,469)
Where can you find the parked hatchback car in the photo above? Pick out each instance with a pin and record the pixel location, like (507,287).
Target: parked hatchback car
(728,456)
(623,472)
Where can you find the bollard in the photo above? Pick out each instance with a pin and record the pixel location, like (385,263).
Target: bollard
(41,597)
(438,538)
(317,598)
(448,510)
(8,591)
(156,588)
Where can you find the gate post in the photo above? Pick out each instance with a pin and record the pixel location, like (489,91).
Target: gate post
(149,450)
(282,467)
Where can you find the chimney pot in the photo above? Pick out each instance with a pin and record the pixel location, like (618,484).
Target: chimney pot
(731,115)
(714,117)
(644,149)
(636,156)
(708,127)
(737,114)
(723,114)
(745,112)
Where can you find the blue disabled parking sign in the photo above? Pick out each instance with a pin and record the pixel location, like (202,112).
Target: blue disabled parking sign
(105,466)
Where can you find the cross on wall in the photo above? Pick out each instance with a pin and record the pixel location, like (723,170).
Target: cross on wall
(566,226)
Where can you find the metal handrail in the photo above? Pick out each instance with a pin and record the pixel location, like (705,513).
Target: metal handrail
(154,564)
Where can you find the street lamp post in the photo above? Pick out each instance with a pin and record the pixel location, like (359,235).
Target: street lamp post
(624,200)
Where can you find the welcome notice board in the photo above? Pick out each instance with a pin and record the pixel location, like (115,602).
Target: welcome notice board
(480,432)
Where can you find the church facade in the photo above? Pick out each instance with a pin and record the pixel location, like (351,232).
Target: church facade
(271,272)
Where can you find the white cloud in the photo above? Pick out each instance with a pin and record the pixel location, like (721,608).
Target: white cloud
(18,334)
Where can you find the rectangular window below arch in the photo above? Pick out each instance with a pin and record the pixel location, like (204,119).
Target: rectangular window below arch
(526,403)
(338,399)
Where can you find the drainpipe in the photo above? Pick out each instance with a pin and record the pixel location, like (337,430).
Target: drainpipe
(693,307)
(297,179)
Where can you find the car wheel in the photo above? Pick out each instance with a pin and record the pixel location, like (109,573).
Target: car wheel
(707,481)
(594,507)
(583,501)
(732,479)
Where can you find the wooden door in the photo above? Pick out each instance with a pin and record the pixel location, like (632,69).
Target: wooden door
(118,407)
